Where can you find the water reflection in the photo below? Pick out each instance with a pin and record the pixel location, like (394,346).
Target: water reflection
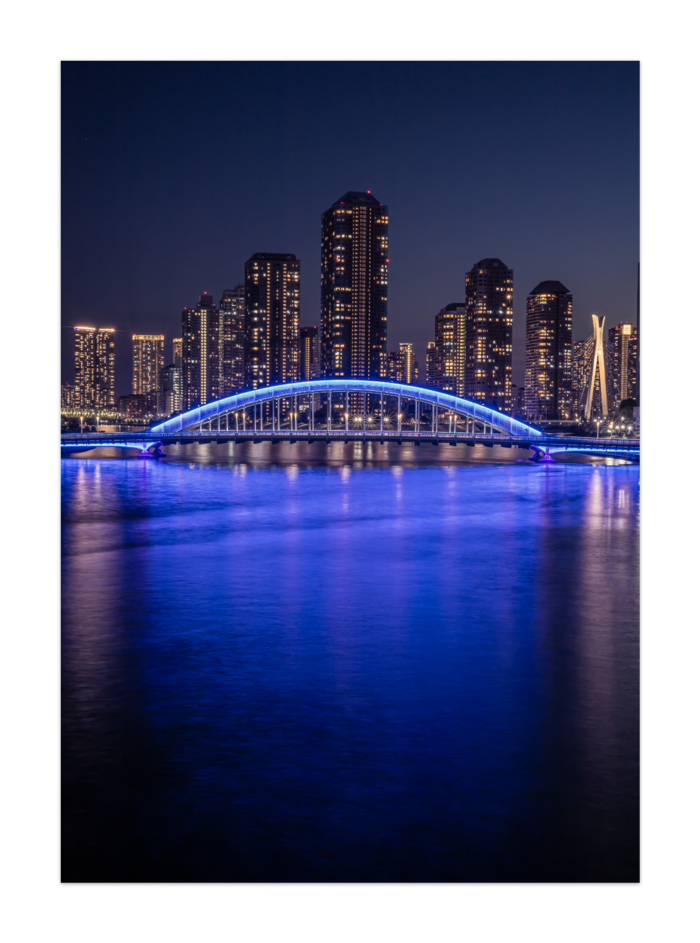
(301,672)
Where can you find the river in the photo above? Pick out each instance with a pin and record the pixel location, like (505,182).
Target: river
(416,664)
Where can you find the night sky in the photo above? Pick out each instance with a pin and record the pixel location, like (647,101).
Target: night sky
(173,174)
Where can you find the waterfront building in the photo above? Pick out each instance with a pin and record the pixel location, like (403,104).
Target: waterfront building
(489,334)
(310,353)
(638,378)
(200,353)
(548,351)
(168,391)
(393,367)
(450,344)
(431,366)
(272,303)
(517,400)
(408,364)
(354,287)
(134,406)
(94,367)
(232,340)
(67,396)
(623,345)
(147,362)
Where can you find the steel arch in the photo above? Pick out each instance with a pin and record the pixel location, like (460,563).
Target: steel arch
(228,404)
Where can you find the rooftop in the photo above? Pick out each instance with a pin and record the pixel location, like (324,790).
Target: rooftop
(358,198)
(550,288)
(491,263)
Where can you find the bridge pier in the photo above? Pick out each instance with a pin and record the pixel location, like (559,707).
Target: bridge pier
(541,455)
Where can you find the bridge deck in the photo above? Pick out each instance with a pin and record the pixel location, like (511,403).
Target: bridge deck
(140,439)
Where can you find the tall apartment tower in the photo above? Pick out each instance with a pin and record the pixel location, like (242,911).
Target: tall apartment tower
(354,287)
(232,340)
(548,352)
(310,353)
(450,346)
(489,334)
(638,390)
(623,345)
(272,302)
(408,364)
(200,353)
(431,366)
(94,367)
(147,363)
(394,366)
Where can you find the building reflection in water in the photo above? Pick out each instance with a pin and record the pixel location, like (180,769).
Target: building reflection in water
(304,672)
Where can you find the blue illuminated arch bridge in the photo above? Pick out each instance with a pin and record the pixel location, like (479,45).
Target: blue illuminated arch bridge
(348,410)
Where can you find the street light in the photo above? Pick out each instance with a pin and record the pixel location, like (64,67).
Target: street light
(81,425)
(597,428)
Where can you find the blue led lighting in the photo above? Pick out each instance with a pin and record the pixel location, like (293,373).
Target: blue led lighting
(432,397)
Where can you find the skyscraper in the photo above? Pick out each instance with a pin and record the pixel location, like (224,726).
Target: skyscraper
(146,365)
(232,340)
(354,286)
(177,351)
(548,350)
(310,353)
(394,366)
(638,390)
(408,364)
(200,353)
(450,346)
(431,365)
(272,302)
(624,352)
(489,333)
(94,367)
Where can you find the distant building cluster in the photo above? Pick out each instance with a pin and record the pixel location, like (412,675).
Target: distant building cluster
(254,337)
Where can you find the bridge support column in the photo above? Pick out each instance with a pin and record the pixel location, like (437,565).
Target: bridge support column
(364,411)
(417,417)
(347,410)
(381,413)
(311,414)
(541,455)
(399,415)
(328,412)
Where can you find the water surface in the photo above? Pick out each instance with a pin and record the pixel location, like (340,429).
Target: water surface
(280,670)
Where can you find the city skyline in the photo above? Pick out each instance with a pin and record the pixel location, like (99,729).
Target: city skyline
(446,214)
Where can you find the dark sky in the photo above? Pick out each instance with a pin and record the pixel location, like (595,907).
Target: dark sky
(173,174)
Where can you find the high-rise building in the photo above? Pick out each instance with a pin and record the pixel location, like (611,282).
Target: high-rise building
(354,286)
(310,353)
(67,396)
(232,340)
(431,366)
(408,364)
(147,363)
(272,302)
(393,366)
(517,400)
(94,367)
(200,353)
(450,345)
(548,350)
(489,334)
(177,351)
(623,345)
(169,395)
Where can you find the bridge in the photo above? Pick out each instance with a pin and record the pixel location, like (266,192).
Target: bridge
(349,410)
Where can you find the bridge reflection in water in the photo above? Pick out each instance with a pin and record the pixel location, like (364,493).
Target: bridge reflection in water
(349,410)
